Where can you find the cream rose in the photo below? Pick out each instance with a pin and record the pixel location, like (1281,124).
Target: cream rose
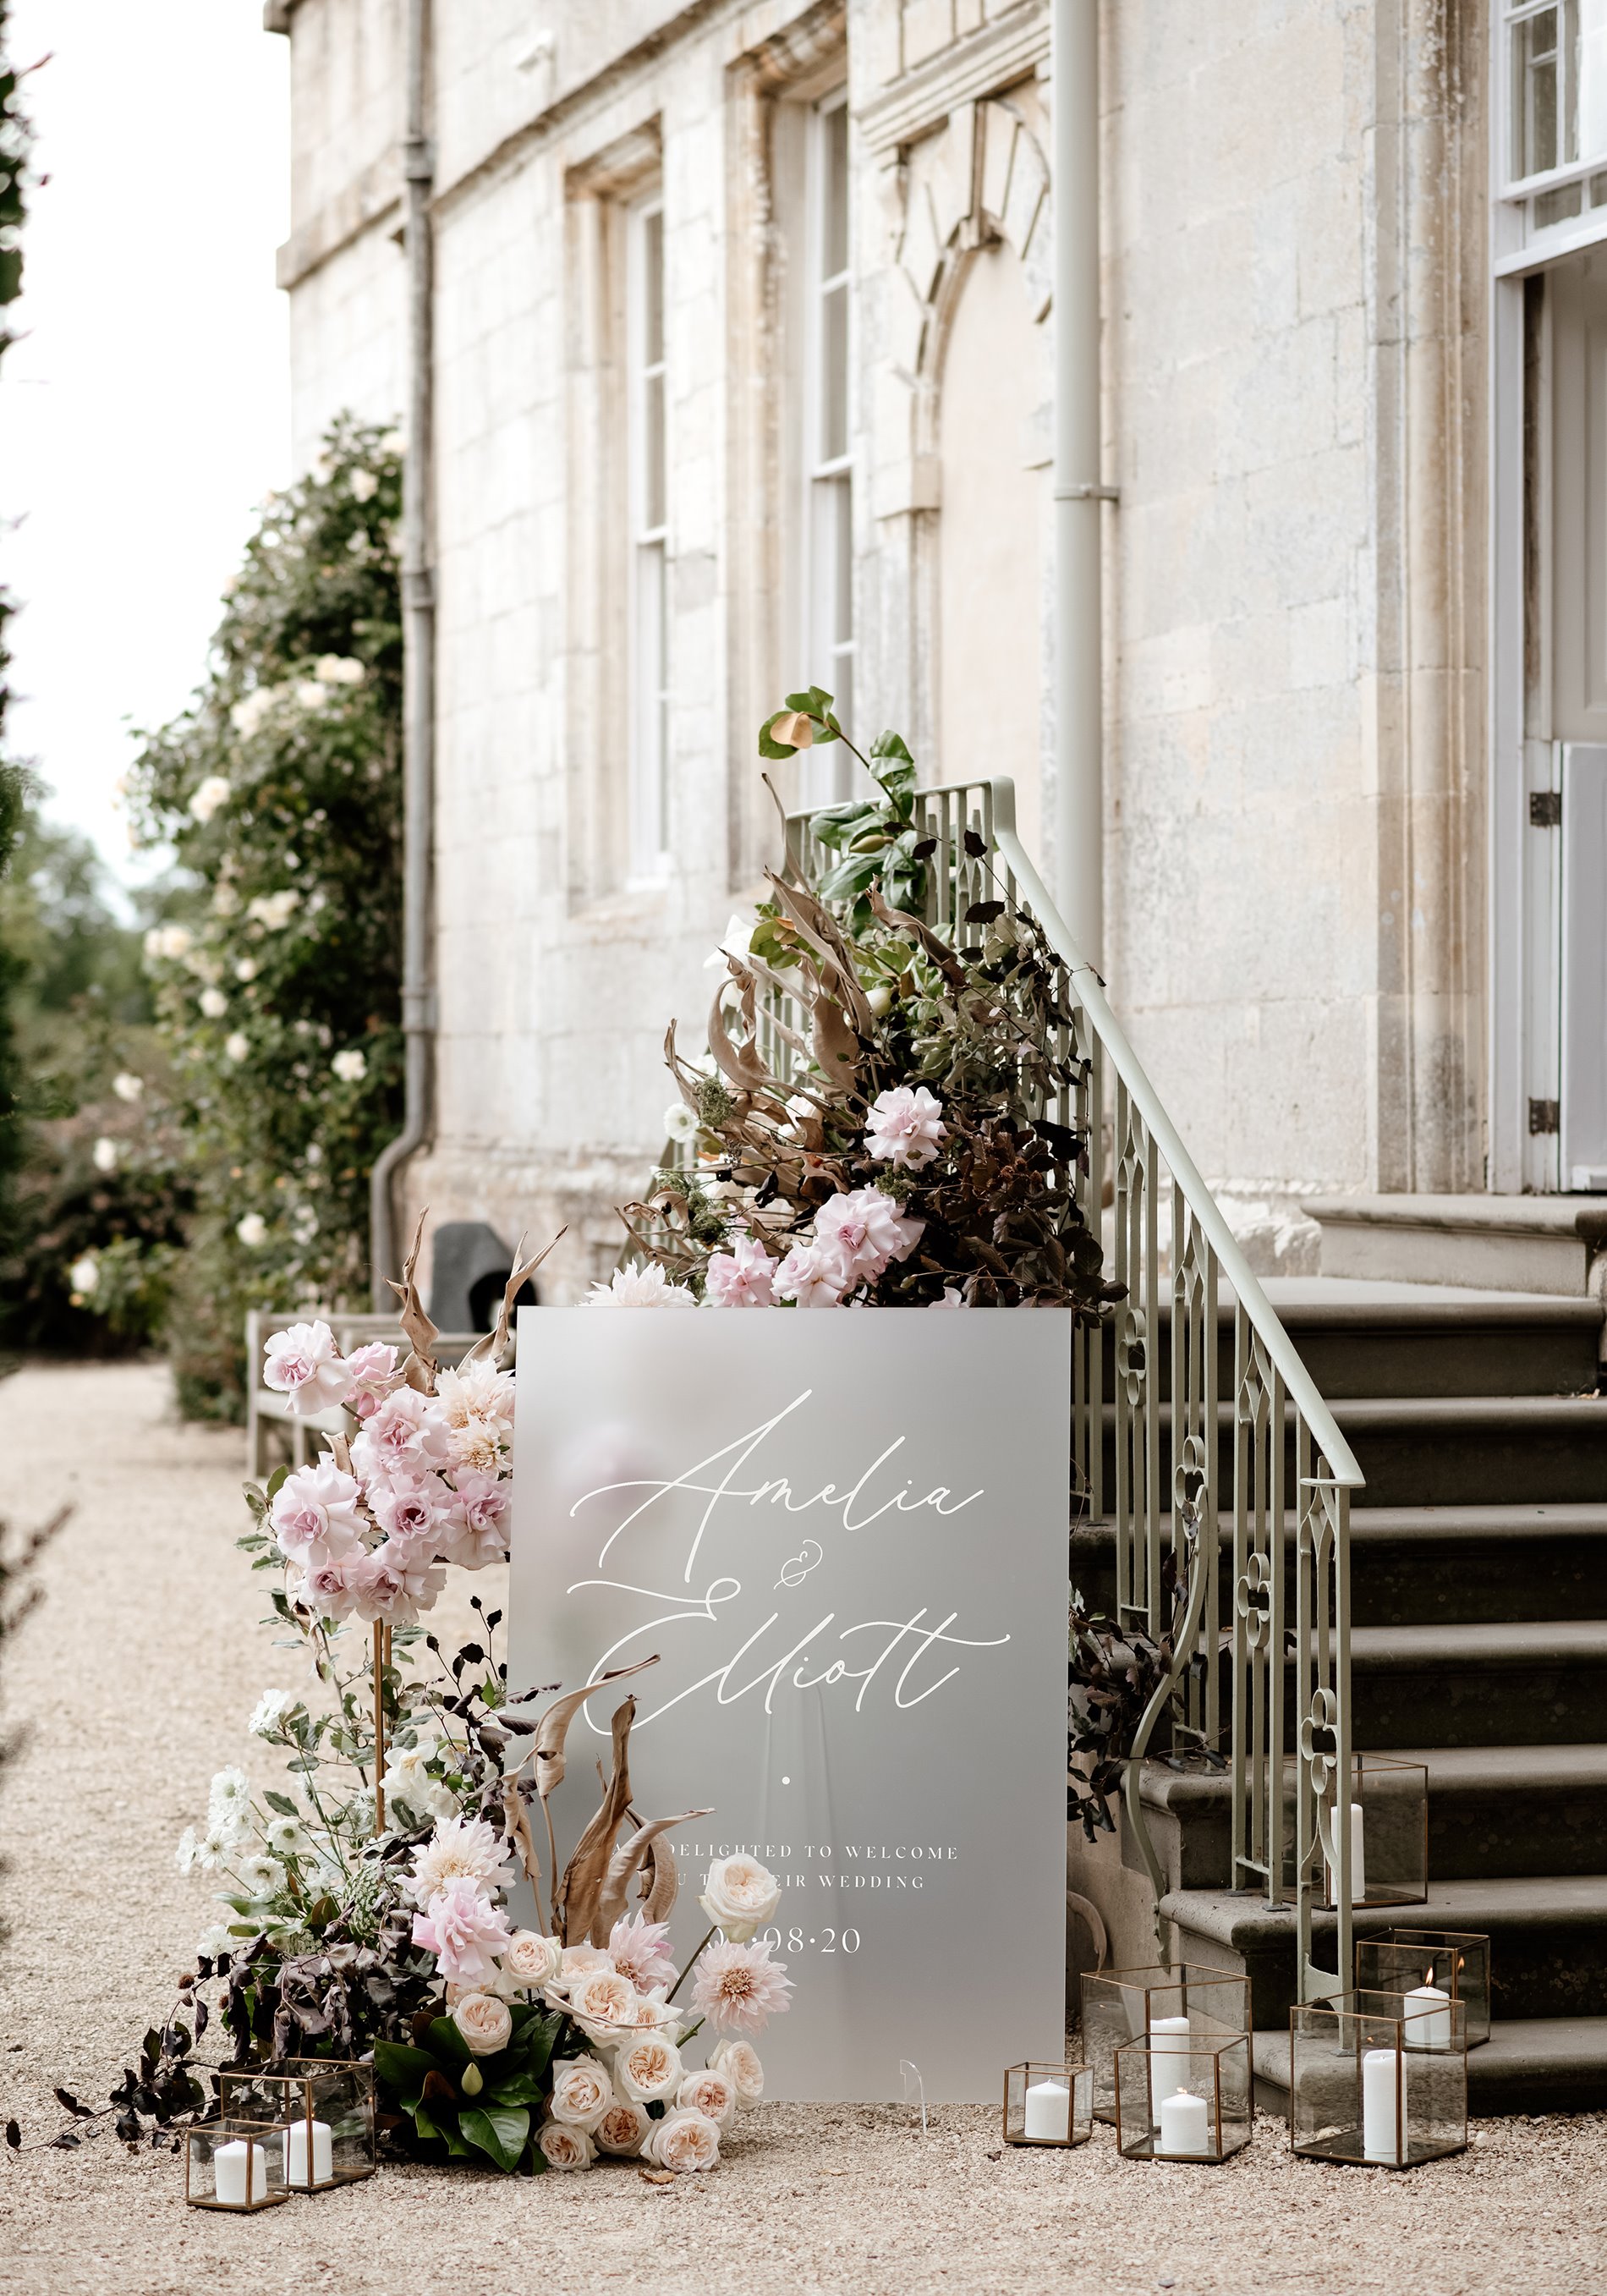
(574,1961)
(711,2092)
(738,2061)
(484,2023)
(685,2142)
(582,2091)
(648,2069)
(603,2003)
(528,1960)
(739,1897)
(565,2147)
(623,2127)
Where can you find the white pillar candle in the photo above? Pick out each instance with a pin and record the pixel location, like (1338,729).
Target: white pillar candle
(1359,1864)
(323,2154)
(1171,2056)
(1048,2111)
(1380,2112)
(229,2164)
(1185,2125)
(1427,2013)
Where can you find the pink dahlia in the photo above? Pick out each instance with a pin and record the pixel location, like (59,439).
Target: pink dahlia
(639,1949)
(904,1128)
(740,1277)
(465,1931)
(738,1987)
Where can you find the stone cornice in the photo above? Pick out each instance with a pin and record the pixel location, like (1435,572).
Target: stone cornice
(370,199)
(978,65)
(276,15)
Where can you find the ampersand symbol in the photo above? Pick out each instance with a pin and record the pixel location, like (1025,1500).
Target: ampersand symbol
(797,1569)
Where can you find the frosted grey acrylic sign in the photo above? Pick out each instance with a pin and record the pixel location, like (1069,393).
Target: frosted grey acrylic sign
(845,1535)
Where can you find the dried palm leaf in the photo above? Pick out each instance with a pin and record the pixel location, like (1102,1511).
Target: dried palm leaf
(625,1865)
(521,1836)
(552,1729)
(821,931)
(420,1371)
(496,1339)
(936,946)
(661,1881)
(837,1049)
(581,1888)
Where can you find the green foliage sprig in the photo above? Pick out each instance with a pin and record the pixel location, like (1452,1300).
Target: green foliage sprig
(279,988)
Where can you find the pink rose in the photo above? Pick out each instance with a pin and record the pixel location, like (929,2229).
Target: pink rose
(805,1276)
(465,1931)
(405,1436)
(315,1514)
(904,1128)
(476,1529)
(741,1277)
(412,1510)
(374,1376)
(304,1365)
(862,1232)
(327,1589)
(392,1584)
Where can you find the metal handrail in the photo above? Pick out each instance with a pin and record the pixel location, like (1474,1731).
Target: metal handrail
(1281,1838)
(1298,1385)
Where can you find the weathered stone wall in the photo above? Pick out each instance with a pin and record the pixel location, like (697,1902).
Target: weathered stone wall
(1293,298)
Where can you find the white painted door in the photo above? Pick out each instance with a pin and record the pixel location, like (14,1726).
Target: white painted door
(1573,816)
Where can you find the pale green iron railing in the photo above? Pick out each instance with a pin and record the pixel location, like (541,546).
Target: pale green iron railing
(1172,1251)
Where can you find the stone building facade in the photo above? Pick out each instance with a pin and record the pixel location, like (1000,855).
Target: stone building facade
(743,379)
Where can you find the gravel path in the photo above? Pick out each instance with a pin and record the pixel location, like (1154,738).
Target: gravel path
(130,1685)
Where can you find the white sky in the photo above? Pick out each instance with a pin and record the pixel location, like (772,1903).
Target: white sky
(147,411)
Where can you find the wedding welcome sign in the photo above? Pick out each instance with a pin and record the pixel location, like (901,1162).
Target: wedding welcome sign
(844,1537)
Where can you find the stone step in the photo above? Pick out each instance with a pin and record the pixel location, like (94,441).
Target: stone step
(1548,1940)
(1501,1244)
(1535,1684)
(1406,1340)
(1428,1566)
(1529,2064)
(1494,1813)
(1441,1450)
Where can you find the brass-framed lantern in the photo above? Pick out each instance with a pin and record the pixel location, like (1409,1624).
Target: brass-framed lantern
(326,2107)
(1457,1961)
(1121,2005)
(1379,2080)
(235,2163)
(1387,1806)
(1049,2103)
(1184,2093)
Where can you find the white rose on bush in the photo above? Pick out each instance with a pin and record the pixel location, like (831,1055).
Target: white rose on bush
(485,2022)
(739,1897)
(582,2091)
(684,2142)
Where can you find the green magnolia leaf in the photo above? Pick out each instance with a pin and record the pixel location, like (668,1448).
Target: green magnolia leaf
(401,2067)
(500,2131)
(427,2125)
(850,876)
(519,2088)
(283,1803)
(766,747)
(816,702)
(448,2043)
(889,744)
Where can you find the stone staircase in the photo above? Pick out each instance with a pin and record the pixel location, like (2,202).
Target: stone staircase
(1479,1584)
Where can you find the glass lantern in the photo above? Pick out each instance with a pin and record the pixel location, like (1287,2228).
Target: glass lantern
(326,2108)
(1120,2004)
(1395,1960)
(1048,2104)
(1378,2079)
(1184,2094)
(1389,1807)
(236,2163)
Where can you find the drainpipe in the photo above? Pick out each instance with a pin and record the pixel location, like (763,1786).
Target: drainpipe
(418,698)
(1078,723)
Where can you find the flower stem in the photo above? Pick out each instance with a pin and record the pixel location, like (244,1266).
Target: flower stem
(687,1972)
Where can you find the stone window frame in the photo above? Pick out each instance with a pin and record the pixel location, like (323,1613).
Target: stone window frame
(601,193)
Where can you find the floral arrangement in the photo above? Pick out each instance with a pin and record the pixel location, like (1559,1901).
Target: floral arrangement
(893,1149)
(369,1907)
